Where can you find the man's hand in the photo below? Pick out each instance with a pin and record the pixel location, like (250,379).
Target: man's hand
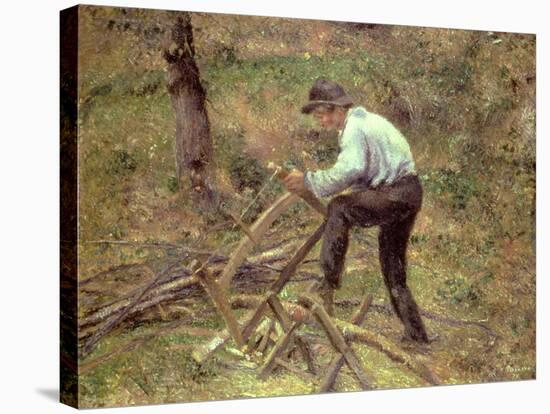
(294,182)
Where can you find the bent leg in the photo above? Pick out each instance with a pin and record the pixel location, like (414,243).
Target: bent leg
(365,208)
(393,239)
(335,241)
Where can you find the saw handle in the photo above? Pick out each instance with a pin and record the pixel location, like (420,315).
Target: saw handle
(281,173)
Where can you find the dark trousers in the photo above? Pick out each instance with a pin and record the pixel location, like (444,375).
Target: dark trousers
(394,209)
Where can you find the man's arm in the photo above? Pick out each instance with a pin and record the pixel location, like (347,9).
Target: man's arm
(351,164)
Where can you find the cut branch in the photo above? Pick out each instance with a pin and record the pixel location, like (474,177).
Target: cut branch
(356,333)
(96,336)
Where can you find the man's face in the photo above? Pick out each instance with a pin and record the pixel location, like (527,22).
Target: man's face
(330,120)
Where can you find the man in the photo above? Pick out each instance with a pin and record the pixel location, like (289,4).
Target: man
(376,172)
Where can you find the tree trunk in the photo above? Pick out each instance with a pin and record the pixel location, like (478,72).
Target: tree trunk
(193,140)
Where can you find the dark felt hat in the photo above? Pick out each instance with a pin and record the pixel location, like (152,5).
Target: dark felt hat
(325,91)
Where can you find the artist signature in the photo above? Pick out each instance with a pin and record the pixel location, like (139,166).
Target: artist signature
(513,370)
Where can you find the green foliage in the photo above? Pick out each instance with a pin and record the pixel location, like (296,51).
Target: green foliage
(121,162)
(460,186)
(200,373)
(172,184)
(295,213)
(418,238)
(246,171)
(292,74)
(131,83)
(147,83)
(101,382)
(225,55)
(457,290)
(117,232)
(452,77)
(248,176)
(229,236)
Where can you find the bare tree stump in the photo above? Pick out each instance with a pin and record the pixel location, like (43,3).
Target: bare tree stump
(194,149)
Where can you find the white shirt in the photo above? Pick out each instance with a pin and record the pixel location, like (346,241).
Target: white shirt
(373,152)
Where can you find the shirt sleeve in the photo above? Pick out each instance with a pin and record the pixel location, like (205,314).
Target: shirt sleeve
(350,164)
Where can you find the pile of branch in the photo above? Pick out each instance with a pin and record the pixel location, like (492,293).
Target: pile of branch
(169,289)
(170,293)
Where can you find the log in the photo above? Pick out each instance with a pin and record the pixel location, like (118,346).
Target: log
(152,245)
(155,296)
(170,293)
(222,305)
(338,361)
(276,253)
(280,312)
(96,336)
(175,286)
(379,342)
(286,322)
(282,344)
(336,364)
(337,340)
(172,287)
(166,294)
(257,229)
(295,370)
(265,337)
(285,276)
(202,353)
(359,317)
(357,334)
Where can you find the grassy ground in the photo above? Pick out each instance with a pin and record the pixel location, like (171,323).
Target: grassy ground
(464,99)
